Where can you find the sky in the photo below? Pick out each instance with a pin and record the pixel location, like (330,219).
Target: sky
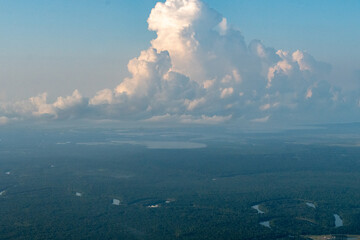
(57,47)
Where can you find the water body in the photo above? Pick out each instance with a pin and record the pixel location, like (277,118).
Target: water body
(152,144)
(63,143)
(309,204)
(116,202)
(338,221)
(154,206)
(168,145)
(266,224)
(256,207)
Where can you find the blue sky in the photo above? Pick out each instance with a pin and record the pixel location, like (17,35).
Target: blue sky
(58,46)
(83,26)
(102,31)
(329,29)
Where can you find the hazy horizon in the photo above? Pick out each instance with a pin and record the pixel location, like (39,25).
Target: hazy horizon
(180,119)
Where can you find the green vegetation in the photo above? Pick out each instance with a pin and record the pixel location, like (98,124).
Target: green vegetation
(200,193)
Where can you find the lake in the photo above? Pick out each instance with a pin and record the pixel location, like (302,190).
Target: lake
(266,224)
(338,221)
(256,207)
(309,204)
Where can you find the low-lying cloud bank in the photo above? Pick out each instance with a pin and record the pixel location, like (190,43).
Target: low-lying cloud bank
(200,70)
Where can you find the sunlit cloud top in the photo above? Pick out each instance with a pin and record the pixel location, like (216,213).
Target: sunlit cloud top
(200,70)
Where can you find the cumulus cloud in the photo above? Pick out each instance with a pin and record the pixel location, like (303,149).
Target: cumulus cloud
(105,96)
(204,119)
(69,101)
(38,106)
(4,120)
(147,71)
(190,119)
(227,92)
(199,69)
(261,120)
(193,104)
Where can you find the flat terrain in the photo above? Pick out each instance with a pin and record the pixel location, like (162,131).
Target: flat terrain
(62,183)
